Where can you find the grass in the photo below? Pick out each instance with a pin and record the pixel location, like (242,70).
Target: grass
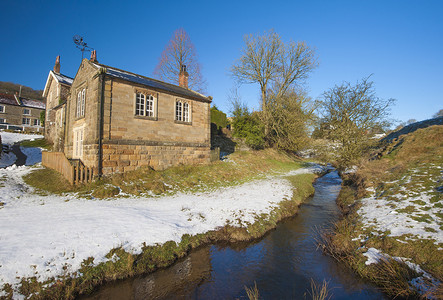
(320,291)
(152,257)
(406,173)
(244,166)
(252,292)
(41,143)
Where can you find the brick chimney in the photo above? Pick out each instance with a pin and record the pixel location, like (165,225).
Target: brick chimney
(57,65)
(94,56)
(183,77)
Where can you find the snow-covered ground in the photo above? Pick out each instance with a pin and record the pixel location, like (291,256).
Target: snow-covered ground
(11,138)
(42,234)
(413,213)
(34,155)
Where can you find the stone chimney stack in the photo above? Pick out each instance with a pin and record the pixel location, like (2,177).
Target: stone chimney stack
(57,65)
(94,56)
(183,77)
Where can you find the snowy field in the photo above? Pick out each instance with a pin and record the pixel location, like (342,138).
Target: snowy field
(42,234)
(34,155)
(412,212)
(11,138)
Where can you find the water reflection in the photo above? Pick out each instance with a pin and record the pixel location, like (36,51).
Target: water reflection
(282,263)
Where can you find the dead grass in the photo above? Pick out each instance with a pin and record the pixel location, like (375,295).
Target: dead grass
(320,291)
(252,292)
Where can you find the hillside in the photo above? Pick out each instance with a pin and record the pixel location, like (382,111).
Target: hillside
(27,92)
(392,232)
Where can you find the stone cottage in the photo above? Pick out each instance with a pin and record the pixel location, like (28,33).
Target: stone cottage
(117,121)
(56,92)
(19,113)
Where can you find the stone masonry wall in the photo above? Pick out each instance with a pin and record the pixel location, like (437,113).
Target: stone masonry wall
(123,158)
(159,142)
(86,78)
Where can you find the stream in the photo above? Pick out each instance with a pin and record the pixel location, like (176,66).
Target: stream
(282,263)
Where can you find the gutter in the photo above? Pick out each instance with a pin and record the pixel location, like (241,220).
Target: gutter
(102,74)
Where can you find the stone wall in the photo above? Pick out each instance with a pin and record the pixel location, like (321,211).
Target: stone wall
(54,131)
(124,157)
(86,78)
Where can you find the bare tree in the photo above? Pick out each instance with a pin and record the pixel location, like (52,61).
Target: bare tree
(180,51)
(289,118)
(266,60)
(350,113)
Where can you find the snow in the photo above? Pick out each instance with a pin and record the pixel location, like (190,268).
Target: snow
(7,159)
(42,234)
(11,138)
(34,155)
(377,212)
(424,283)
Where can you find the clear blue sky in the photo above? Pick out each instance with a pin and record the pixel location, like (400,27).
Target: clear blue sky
(400,42)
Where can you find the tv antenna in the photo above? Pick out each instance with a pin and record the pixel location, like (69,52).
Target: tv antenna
(80,44)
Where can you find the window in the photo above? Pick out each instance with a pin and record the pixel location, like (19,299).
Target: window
(2,108)
(81,103)
(26,111)
(78,143)
(26,121)
(182,111)
(144,105)
(2,121)
(36,122)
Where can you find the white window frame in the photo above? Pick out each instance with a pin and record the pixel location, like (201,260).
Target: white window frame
(145,105)
(26,109)
(183,111)
(81,95)
(36,122)
(26,121)
(2,121)
(2,108)
(77,151)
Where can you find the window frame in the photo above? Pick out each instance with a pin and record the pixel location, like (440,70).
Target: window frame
(36,122)
(3,121)
(26,121)
(143,101)
(183,112)
(2,108)
(26,109)
(81,102)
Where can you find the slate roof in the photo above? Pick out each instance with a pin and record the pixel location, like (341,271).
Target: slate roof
(63,78)
(12,100)
(33,103)
(153,83)
(8,99)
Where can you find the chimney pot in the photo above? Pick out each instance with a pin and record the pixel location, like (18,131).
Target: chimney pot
(57,65)
(183,77)
(94,56)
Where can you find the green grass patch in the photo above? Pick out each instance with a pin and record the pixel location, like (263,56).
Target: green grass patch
(422,218)
(48,180)
(244,166)
(41,143)
(407,210)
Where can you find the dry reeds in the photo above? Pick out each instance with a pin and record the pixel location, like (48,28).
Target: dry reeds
(252,292)
(320,291)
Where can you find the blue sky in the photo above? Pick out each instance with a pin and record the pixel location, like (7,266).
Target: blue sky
(400,42)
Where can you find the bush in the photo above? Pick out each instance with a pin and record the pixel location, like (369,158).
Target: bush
(247,126)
